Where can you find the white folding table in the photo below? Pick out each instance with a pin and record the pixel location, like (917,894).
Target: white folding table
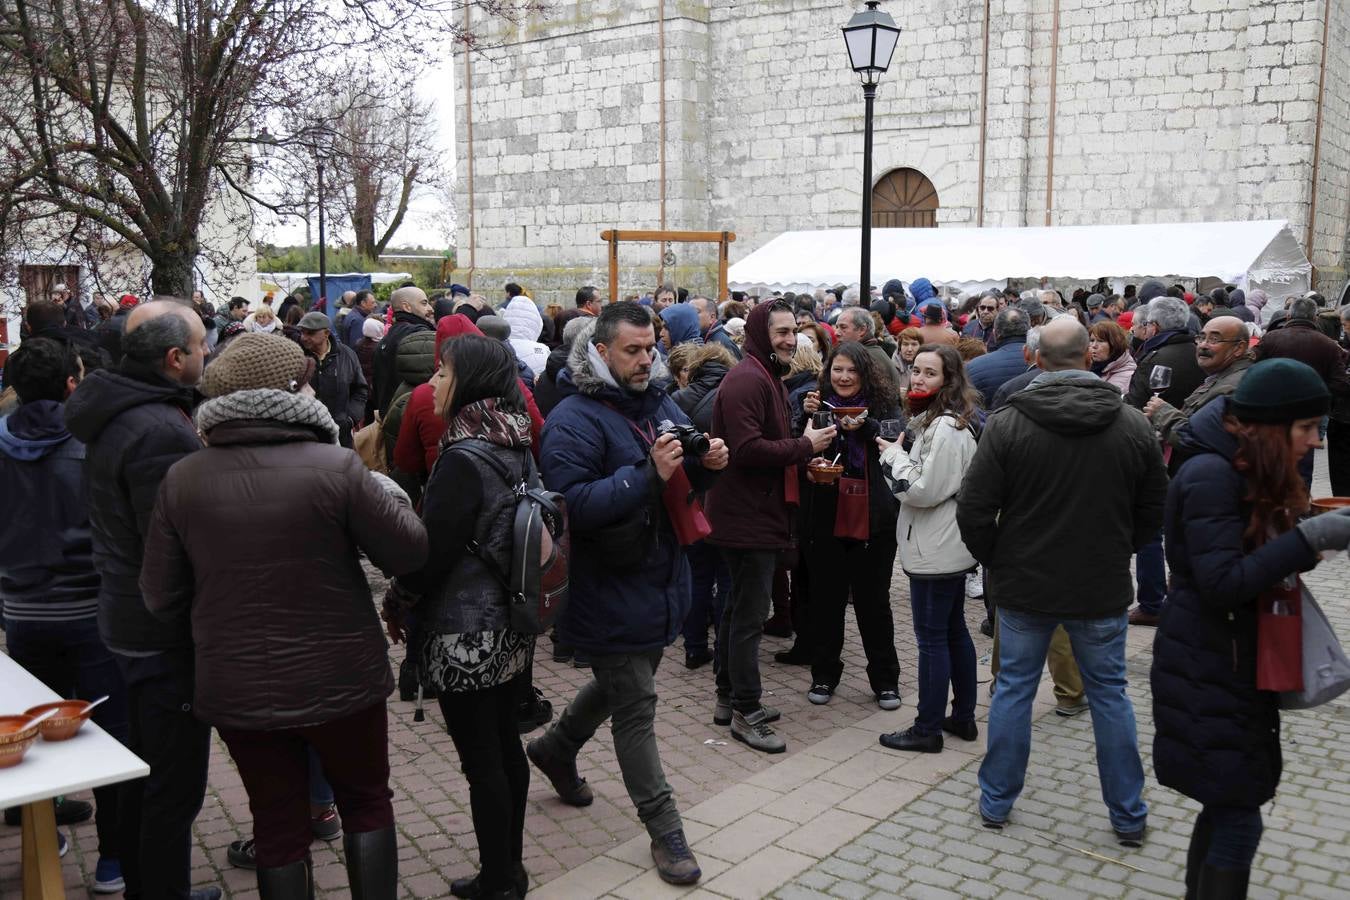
(91,759)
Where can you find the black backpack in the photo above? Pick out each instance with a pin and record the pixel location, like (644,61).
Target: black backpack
(536,585)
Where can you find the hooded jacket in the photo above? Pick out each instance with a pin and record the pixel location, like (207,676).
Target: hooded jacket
(1256,303)
(924,294)
(698,397)
(748,508)
(1065,472)
(682,323)
(134,424)
(526,324)
(1217,737)
(1171,348)
(46,566)
(597,460)
(290,636)
(926,530)
(1301,340)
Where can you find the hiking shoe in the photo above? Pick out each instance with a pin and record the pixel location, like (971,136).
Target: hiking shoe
(820,694)
(754,731)
(966,731)
(694,659)
(326,826)
(108,877)
(242,855)
(534,712)
(1072,709)
(910,740)
(572,789)
(722,713)
(888,699)
(674,860)
(1133,838)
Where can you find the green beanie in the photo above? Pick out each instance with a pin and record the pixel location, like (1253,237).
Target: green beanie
(1280,390)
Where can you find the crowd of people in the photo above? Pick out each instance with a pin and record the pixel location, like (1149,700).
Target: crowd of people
(734,468)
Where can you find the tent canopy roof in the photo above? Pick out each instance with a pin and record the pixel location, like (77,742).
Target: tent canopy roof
(1262,252)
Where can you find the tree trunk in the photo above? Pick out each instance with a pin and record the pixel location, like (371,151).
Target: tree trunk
(171,272)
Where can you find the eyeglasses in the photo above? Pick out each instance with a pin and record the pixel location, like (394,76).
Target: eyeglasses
(1206,339)
(988,309)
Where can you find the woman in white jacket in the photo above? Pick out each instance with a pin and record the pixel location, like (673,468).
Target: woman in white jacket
(526,325)
(927,477)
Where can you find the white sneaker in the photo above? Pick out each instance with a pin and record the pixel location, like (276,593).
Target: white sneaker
(975,585)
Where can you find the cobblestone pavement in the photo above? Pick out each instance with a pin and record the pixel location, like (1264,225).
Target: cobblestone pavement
(836,816)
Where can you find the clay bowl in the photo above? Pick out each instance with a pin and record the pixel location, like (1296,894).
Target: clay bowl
(16,736)
(71,714)
(1327,504)
(824,474)
(848,411)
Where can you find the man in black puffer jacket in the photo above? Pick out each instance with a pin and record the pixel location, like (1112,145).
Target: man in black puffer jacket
(136,422)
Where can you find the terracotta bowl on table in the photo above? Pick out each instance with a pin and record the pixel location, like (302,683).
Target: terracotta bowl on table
(71,714)
(1327,504)
(16,736)
(826,474)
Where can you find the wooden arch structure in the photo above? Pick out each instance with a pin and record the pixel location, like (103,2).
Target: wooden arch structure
(722,239)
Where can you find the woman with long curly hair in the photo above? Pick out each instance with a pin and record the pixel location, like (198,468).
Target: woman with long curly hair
(848,528)
(1236,541)
(927,476)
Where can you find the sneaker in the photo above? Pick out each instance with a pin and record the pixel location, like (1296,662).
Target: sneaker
(722,713)
(754,731)
(992,824)
(696,658)
(888,699)
(242,855)
(108,877)
(1139,617)
(62,845)
(820,694)
(975,585)
(966,731)
(571,788)
(326,826)
(910,740)
(1133,838)
(533,713)
(1072,709)
(674,860)
(68,812)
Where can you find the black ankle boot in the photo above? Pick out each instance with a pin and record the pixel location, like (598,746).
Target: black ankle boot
(372,864)
(472,888)
(288,882)
(1195,857)
(1222,884)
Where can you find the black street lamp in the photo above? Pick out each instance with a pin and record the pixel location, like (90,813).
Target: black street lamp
(323,258)
(870,37)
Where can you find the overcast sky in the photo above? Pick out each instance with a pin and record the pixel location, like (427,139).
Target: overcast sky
(424,224)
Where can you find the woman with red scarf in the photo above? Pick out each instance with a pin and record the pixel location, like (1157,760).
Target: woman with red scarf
(848,528)
(927,477)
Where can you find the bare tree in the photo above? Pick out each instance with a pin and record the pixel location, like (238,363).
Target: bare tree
(133,124)
(385,151)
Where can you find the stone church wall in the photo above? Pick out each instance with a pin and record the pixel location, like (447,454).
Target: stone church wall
(1166,110)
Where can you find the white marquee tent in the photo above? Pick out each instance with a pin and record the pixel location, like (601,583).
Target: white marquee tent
(1263,254)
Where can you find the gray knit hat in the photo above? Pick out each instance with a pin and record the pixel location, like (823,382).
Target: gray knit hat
(254,361)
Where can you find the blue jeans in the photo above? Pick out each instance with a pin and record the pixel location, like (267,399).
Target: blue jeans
(946,652)
(709,571)
(70,658)
(1151,572)
(320,791)
(1099,648)
(1232,834)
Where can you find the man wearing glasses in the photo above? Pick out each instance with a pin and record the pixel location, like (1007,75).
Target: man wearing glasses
(981,325)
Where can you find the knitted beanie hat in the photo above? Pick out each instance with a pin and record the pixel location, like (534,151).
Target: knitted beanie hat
(1280,390)
(255,361)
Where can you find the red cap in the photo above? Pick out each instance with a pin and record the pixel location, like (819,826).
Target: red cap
(128,301)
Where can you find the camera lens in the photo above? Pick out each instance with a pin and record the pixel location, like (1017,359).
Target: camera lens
(696,444)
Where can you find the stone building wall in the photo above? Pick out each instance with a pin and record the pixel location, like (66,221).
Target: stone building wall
(1165,110)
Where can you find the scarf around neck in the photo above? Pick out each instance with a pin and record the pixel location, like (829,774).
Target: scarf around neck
(268,405)
(855,445)
(482,420)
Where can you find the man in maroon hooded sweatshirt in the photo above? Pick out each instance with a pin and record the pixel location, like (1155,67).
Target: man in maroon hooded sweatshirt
(750,509)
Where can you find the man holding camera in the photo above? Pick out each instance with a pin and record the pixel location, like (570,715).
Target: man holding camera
(616,450)
(753,511)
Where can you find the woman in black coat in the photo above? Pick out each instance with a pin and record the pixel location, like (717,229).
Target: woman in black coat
(1233,537)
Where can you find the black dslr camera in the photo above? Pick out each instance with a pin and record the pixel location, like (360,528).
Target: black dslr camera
(692,441)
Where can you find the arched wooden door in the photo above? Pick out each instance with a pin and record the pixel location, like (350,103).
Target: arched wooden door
(904,198)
